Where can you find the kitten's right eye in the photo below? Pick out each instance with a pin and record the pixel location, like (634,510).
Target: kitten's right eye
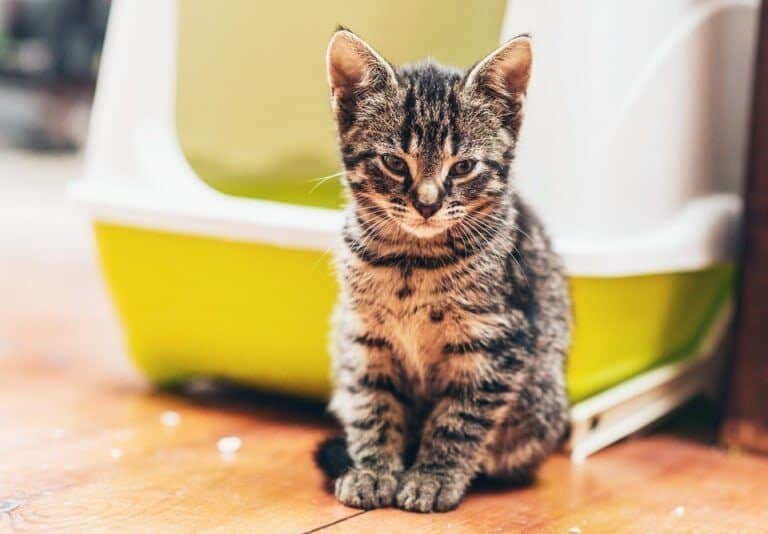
(395,164)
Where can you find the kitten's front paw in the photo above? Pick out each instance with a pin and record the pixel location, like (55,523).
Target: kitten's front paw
(365,488)
(420,492)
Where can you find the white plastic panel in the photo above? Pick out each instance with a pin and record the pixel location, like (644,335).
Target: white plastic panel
(635,109)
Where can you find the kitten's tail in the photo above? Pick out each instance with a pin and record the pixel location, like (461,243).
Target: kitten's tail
(332,458)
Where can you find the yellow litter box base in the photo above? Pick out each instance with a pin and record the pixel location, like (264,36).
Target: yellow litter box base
(260,315)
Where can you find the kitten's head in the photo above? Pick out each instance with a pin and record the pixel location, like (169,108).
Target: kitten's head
(426,147)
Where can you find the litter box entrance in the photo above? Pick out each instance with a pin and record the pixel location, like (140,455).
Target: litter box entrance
(253,113)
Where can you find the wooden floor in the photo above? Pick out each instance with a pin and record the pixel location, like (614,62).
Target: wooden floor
(84,448)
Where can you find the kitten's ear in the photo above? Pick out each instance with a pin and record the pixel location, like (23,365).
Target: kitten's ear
(354,67)
(506,71)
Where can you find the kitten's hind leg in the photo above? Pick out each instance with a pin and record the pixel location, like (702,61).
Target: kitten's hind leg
(521,446)
(515,467)
(513,477)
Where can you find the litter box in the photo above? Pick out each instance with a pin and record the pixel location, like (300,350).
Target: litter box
(215,237)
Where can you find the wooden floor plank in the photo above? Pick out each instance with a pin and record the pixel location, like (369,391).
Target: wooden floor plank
(173,476)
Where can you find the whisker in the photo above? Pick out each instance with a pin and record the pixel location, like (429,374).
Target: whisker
(320,181)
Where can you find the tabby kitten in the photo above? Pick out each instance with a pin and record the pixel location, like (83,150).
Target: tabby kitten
(454,314)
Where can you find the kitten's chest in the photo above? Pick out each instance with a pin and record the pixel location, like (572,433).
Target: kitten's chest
(411,312)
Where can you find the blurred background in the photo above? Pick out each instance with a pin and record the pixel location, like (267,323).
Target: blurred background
(49,58)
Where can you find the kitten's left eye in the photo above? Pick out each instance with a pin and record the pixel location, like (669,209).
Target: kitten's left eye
(460,168)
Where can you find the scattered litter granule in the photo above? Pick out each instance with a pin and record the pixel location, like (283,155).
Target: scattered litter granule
(229,444)
(116,453)
(9,505)
(170,418)
(58,433)
(679,511)
(574,530)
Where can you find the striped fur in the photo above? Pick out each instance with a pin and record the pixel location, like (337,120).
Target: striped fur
(454,316)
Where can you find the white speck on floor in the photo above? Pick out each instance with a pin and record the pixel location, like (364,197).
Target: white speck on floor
(679,511)
(574,530)
(116,453)
(58,433)
(9,505)
(229,445)
(170,418)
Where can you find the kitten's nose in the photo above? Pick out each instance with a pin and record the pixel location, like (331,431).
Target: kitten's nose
(427,210)
(427,198)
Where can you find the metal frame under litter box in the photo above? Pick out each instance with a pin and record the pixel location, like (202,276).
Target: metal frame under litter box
(618,412)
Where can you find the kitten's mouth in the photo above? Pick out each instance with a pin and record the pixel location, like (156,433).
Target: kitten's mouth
(425,229)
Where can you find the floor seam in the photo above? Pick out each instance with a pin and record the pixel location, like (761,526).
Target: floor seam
(327,525)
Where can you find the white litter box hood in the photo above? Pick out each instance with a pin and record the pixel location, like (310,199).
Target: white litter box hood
(632,149)
(634,142)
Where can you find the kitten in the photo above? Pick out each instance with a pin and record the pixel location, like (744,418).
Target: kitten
(454,316)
